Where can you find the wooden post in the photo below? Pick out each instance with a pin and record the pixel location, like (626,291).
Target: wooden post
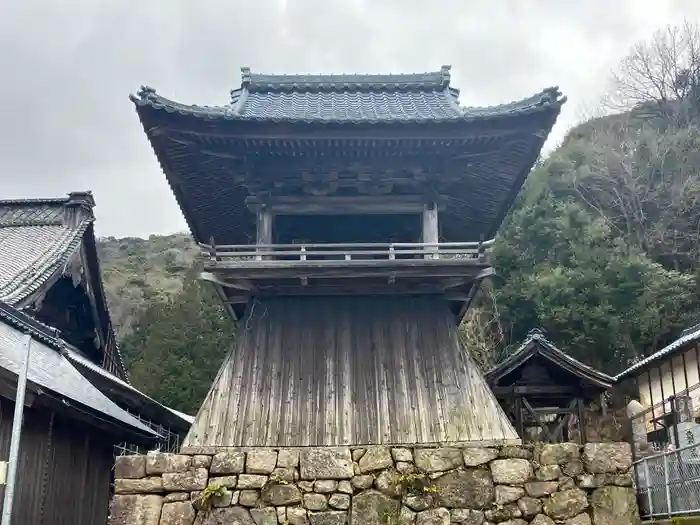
(264,228)
(430,229)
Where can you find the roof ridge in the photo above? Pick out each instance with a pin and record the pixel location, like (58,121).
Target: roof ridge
(309,82)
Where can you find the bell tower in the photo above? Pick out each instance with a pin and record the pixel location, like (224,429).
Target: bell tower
(346,222)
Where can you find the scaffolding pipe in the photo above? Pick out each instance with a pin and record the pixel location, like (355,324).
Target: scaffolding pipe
(16,432)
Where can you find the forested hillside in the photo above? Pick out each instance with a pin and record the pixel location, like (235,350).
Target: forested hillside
(600,250)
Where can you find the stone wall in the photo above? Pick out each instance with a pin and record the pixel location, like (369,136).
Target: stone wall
(539,485)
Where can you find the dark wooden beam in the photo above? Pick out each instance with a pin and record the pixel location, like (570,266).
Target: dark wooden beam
(534,390)
(334,205)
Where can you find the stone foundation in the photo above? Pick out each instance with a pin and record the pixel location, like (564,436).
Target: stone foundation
(540,485)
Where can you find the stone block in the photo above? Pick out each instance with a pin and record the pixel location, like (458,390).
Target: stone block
(515,452)
(357,453)
(506,494)
(297,516)
(193,479)
(542,519)
(228,463)
(315,501)
(467,516)
(406,516)
(306,486)
(227,516)
(438,459)
(362,482)
(512,471)
(614,506)
(287,474)
(152,485)
(260,461)
(249,498)
(375,458)
(529,506)
(251,481)
(278,495)
(325,486)
(339,501)
(264,516)
(229,482)
(572,468)
(601,458)
(548,472)
(406,468)
(566,504)
(469,489)
(580,519)
(475,457)
(439,516)
(388,481)
(372,507)
(157,463)
(402,454)
(130,467)
(201,461)
(288,458)
(178,513)
(331,517)
(559,453)
(539,489)
(418,502)
(135,510)
(345,487)
(326,463)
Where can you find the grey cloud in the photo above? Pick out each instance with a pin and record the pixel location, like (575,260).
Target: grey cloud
(66,122)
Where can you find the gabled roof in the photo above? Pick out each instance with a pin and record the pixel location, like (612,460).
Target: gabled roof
(536,344)
(356,98)
(52,373)
(39,240)
(688,336)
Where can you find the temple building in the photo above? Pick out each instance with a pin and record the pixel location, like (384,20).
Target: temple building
(346,221)
(545,391)
(50,278)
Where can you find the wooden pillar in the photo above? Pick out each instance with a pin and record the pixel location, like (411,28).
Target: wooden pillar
(430,229)
(264,228)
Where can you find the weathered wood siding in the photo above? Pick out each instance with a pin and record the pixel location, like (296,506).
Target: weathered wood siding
(311,371)
(64,470)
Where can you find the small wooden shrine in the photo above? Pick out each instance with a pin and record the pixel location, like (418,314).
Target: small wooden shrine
(542,389)
(346,220)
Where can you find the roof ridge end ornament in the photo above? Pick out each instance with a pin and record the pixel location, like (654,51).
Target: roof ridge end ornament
(144,93)
(446,75)
(536,333)
(246,77)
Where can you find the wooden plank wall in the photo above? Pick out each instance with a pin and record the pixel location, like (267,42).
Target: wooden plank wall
(315,371)
(64,471)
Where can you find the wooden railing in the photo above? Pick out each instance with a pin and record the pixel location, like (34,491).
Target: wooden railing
(347,252)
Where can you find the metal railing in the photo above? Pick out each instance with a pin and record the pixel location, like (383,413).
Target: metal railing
(668,483)
(295,253)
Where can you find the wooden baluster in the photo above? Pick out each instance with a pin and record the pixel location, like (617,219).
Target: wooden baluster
(392,253)
(303,252)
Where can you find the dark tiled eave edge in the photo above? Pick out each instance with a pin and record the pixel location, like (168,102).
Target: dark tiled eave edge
(21,321)
(535,344)
(548,100)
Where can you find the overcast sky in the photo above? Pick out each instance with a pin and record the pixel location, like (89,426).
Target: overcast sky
(68,67)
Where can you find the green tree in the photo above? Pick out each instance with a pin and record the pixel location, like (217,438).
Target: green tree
(177,346)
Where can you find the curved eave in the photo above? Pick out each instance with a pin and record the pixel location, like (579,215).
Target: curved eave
(538,346)
(548,100)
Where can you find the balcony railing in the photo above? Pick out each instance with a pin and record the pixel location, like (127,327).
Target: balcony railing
(298,253)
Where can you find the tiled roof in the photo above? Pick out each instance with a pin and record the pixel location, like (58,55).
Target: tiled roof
(37,243)
(360,98)
(536,343)
(34,245)
(688,336)
(51,371)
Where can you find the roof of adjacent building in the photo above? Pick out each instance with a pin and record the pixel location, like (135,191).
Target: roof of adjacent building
(52,373)
(475,159)
(536,344)
(39,240)
(358,98)
(688,336)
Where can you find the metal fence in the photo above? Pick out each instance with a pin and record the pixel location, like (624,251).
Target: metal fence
(668,483)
